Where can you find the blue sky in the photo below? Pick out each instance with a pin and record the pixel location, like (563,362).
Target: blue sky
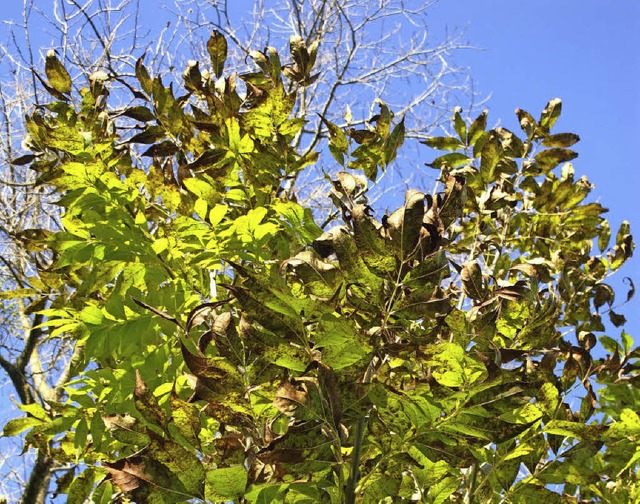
(588,54)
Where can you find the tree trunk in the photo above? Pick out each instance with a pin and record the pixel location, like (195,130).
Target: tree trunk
(36,490)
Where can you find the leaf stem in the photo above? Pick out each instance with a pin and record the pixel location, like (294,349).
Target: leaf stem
(354,472)
(469,498)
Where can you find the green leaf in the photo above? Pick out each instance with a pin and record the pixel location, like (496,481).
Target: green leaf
(186,417)
(550,114)
(225,484)
(451,367)
(550,158)
(627,426)
(477,128)
(204,191)
(523,415)
(200,208)
(35,410)
(143,77)
(521,450)
(91,315)
(627,342)
(139,113)
(217,213)
(453,160)
(266,493)
(442,490)
(531,494)
(394,142)
(19,425)
(217,49)
(147,404)
(443,143)
(338,144)
(576,430)
(460,125)
(81,487)
(340,343)
(561,140)
(57,74)
(490,157)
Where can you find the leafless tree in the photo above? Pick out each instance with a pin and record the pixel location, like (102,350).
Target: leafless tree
(380,49)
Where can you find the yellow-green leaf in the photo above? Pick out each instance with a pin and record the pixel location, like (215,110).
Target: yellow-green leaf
(217,49)
(57,74)
(225,483)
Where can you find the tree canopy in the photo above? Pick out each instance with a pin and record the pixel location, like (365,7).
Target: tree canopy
(228,347)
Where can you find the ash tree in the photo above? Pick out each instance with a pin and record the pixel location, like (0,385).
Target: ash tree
(229,348)
(109,36)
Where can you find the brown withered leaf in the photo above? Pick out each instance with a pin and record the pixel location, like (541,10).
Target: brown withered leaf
(289,396)
(202,312)
(128,474)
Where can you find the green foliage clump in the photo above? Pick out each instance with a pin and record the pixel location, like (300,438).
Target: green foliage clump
(229,349)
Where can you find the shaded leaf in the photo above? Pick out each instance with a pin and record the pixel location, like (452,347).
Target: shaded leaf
(139,113)
(23,160)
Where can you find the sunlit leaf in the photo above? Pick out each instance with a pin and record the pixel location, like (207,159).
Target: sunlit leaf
(226,483)
(217,49)
(57,74)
